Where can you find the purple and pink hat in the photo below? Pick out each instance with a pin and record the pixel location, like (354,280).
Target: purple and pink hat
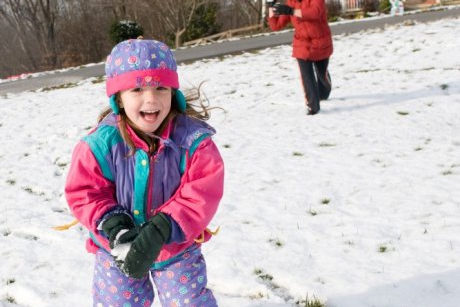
(138,63)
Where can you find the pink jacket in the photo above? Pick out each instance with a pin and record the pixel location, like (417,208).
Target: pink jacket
(91,187)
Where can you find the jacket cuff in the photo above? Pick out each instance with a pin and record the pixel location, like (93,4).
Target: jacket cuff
(117,210)
(177,235)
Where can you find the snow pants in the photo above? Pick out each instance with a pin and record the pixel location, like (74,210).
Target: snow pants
(180,283)
(316,82)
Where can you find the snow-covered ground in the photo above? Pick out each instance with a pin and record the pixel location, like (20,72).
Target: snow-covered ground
(358,206)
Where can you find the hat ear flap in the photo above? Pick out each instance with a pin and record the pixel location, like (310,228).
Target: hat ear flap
(113,104)
(181,101)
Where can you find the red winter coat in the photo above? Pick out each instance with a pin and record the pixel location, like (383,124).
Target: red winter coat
(312,36)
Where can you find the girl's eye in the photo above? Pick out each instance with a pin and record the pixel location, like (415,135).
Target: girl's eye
(161,88)
(137,89)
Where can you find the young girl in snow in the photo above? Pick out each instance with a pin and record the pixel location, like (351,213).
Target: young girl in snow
(146,182)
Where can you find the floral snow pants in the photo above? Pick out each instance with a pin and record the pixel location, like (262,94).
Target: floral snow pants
(181,283)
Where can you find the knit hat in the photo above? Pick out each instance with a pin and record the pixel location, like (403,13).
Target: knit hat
(138,63)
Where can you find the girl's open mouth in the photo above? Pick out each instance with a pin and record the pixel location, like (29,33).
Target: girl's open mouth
(150,116)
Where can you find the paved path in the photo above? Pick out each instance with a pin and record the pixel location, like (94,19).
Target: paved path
(227,47)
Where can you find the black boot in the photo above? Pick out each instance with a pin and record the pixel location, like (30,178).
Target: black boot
(310,111)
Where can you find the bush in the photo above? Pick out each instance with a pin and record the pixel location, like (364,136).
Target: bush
(204,23)
(384,6)
(334,10)
(370,6)
(124,29)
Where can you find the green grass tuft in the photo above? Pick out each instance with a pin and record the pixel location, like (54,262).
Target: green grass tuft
(10,299)
(326,145)
(99,79)
(262,275)
(277,242)
(310,302)
(61,86)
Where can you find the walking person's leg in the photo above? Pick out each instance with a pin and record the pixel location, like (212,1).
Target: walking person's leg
(310,86)
(324,79)
(184,282)
(113,288)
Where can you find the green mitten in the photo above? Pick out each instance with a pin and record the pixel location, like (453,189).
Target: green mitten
(114,224)
(147,245)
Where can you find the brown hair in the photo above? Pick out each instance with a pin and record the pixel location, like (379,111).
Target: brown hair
(197,107)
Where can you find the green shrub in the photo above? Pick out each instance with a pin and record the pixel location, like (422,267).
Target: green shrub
(370,6)
(204,23)
(384,6)
(121,30)
(334,10)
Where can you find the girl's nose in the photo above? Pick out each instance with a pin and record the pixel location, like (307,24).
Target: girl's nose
(149,95)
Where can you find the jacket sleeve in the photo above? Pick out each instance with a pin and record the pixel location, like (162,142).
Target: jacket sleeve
(89,194)
(277,23)
(313,10)
(196,200)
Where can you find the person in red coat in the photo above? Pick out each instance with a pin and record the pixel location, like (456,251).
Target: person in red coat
(312,44)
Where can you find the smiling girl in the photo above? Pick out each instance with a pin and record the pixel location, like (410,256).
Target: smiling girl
(146,183)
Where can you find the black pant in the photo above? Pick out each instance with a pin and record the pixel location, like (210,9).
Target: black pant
(316,83)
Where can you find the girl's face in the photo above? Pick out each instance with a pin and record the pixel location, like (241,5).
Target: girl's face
(146,107)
